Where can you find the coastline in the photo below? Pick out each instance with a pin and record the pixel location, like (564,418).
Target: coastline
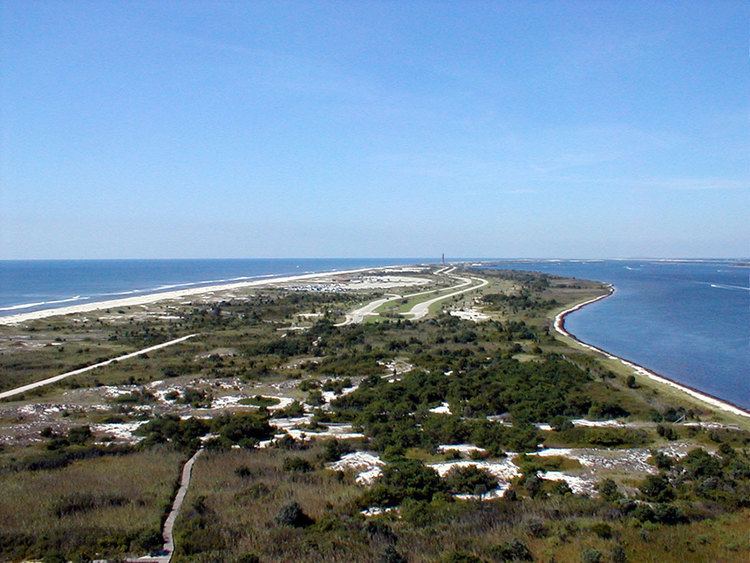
(166,295)
(721,404)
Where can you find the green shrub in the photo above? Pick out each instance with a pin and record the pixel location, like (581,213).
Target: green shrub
(657,488)
(391,555)
(404,479)
(260,401)
(514,550)
(608,490)
(602,529)
(666,431)
(297,464)
(293,410)
(469,480)
(333,450)
(536,528)
(618,554)
(460,557)
(292,515)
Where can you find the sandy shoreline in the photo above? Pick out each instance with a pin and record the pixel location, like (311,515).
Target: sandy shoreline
(165,295)
(721,404)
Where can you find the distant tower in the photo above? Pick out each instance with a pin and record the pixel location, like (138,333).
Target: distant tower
(443,258)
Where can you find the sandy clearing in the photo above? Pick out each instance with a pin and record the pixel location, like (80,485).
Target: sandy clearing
(442,408)
(579,484)
(120,430)
(470,315)
(504,470)
(461,448)
(368,466)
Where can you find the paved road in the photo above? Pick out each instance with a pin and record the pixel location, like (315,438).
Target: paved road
(420,310)
(54,379)
(359,315)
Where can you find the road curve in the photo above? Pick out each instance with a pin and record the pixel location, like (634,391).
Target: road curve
(420,310)
(54,379)
(359,315)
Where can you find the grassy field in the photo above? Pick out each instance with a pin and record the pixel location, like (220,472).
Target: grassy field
(92,507)
(237,511)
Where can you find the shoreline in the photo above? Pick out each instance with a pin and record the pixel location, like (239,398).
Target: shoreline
(716,402)
(166,295)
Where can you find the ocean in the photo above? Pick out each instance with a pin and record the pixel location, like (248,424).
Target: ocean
(30,285)
(687,320)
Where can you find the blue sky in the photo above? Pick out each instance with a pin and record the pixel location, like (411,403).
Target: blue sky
(262,129)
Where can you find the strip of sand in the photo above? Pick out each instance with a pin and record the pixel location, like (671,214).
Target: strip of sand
(720,404)
(56,378)
(177,294)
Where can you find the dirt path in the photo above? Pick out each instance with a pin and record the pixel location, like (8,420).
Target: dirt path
(56,378)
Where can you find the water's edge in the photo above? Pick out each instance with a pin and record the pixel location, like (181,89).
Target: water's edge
(718,402)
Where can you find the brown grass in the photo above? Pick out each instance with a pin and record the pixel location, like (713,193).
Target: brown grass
(127,494)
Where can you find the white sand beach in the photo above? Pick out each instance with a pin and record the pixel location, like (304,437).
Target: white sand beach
(166,295)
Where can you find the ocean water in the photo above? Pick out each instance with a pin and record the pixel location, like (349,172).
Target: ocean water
(689,321)
(30,285)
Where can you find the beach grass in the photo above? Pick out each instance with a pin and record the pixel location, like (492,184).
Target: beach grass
(108,505)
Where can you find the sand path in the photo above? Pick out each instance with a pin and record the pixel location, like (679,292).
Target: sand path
(54,379)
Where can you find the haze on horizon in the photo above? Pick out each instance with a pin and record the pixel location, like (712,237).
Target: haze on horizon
(272,129)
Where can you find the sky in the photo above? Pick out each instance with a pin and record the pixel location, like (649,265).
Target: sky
(374,129)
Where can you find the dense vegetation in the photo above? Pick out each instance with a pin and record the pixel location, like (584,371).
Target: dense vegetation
(494,385)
